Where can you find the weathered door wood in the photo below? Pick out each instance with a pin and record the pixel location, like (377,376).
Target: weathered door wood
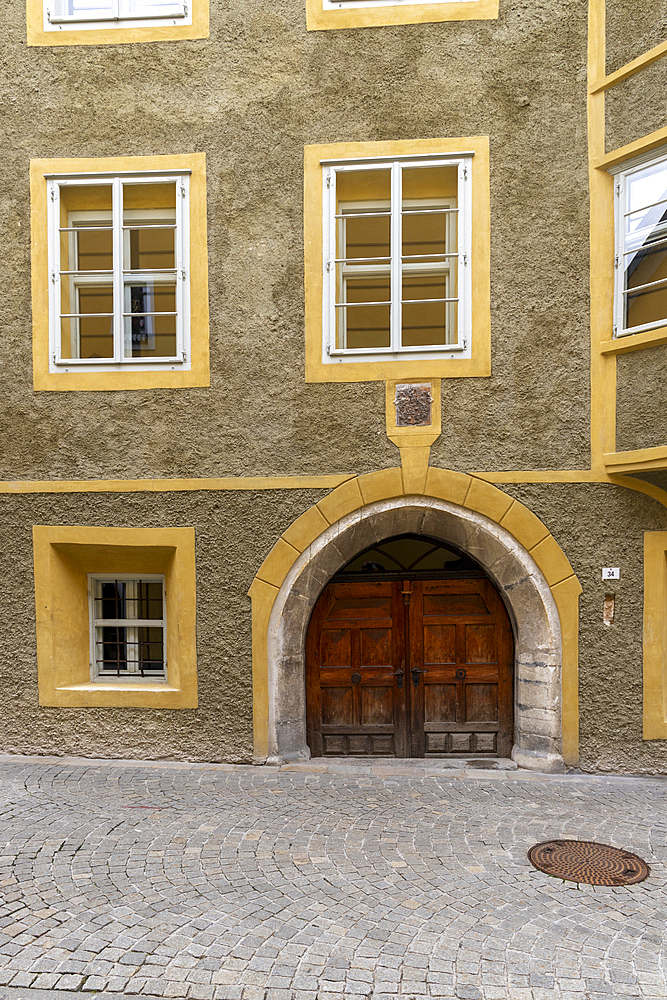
(409,669)
(461,641)
(354,689)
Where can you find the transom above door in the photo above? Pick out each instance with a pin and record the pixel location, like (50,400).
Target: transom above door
(410,666)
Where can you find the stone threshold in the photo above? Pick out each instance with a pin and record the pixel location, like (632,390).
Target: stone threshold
(377,766)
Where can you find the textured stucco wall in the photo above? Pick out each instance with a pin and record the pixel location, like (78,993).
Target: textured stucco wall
(234,532)
(600,525)
(641,415)
(636,106)
(633,28)
(596,525)
(250,97)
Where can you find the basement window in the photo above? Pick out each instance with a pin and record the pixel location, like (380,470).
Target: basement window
(640,301)
(127,627)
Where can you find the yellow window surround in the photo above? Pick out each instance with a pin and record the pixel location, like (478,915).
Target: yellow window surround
(116,377)
(162,30)
(655,635)
(383,368)
(63,558)
(321,16)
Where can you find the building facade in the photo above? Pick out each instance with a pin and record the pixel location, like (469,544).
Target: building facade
(334,419)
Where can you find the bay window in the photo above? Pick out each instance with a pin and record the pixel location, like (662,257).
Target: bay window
(640,301)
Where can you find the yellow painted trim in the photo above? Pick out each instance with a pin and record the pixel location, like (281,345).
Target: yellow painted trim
(174,485)
(457,488)
(198,375)
(413,443)
(566,594)
(318,19)
(601,280)
(641,62)
(637,461)
(63,556)
(159,32)
(644,145)
(635,341)
(382,370)
(655,635)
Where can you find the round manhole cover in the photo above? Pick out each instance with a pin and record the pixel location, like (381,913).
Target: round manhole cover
(586,861)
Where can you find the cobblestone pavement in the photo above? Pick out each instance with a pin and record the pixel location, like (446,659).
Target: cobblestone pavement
(312,882)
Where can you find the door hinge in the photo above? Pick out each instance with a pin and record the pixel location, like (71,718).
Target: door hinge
(53,193)
(53,277)
(183,274)
(329,266)
(329,180)
(182,190)
(618,189)
(465,345)
(465,259)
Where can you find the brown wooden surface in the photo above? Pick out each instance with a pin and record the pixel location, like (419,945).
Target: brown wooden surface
(455,635)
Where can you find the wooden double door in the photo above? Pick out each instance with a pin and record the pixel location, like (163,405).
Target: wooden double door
(410,668)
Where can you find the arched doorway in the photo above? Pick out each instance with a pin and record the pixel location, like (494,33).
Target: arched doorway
(409,653)
(279,640)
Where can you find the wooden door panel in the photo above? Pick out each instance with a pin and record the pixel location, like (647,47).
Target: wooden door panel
(439,703)
(335,648)
(439,644)
(377,706)
(454,605)
(481,702)
(463,702)
(376,647)
(354,704)
(337,706)
(480,643)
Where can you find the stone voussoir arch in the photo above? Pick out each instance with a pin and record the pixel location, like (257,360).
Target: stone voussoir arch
(531,571)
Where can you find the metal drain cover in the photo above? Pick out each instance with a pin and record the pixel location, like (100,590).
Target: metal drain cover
(586,861)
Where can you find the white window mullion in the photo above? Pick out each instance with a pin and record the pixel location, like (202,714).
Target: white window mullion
(396,283)
(182,265)
(54,267)
(330,268)
(118,263)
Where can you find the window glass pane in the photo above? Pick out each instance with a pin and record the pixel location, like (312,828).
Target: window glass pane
(111,649)
(83,9)
(149,599)
(647,307)
(150,657)
(86,337)
(86,242)
(361,326)
(429,235)
(365,194)
(645,188)
(150,336)
(428,323)
(149,249)
(151,8)
(146,246)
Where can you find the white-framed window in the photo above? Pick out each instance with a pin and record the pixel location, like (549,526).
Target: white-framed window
(61,15)
(352,4)
(396,258)
(640,296)
(119,293)
(127,627)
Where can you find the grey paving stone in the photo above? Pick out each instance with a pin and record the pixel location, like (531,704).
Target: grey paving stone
(301,883)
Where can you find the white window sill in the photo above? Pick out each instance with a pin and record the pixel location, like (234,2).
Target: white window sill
(123,685)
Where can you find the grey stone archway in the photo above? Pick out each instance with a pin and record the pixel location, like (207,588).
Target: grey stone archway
(532,610)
